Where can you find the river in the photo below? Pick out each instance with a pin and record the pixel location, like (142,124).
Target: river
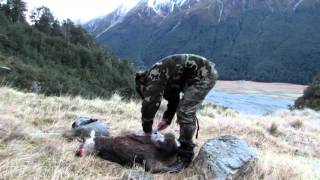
(254,98)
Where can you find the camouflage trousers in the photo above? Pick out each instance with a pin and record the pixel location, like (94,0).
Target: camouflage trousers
(194,94)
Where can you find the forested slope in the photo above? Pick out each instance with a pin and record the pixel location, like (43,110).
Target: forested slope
(59,57)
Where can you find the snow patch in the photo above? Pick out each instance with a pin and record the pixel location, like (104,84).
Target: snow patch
(175,27)
(92,26)
(118,16)
(270,6)
(221,10)
(161,6)
(297,5)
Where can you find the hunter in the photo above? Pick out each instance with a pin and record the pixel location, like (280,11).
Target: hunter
(183,80)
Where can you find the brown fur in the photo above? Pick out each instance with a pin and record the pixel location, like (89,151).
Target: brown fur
(135,149)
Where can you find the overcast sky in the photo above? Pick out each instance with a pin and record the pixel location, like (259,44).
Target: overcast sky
(76,10)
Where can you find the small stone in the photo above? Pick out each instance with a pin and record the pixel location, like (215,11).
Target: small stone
(137,175)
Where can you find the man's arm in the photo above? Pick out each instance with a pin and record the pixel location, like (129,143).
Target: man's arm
(154,87)
(173,102)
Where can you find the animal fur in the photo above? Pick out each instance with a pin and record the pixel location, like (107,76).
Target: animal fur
(132,149)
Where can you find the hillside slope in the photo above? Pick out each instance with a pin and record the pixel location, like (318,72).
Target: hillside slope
(59,58)
(266,40)
(290,152)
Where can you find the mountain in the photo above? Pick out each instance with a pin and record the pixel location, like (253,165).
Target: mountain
(261,40)
(101,25)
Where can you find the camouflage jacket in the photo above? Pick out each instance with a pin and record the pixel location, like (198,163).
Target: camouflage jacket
(168,78)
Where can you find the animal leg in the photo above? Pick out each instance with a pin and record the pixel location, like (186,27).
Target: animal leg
(161,170)
(149,165)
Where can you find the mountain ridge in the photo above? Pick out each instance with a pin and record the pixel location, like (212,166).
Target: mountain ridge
(267,40)
(165,7)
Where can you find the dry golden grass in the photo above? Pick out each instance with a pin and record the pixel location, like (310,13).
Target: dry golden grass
(293,153)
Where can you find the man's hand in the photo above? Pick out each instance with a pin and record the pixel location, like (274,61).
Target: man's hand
(162,125)
(147,134)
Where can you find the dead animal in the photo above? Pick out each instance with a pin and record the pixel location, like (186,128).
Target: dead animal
(131,149)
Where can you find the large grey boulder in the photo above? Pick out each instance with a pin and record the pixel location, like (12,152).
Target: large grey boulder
(137,175)
(225,157)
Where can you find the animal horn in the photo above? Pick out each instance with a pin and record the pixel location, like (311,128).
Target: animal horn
(92,133)
(81,140)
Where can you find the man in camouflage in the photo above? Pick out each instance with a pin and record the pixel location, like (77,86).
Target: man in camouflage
(190,74)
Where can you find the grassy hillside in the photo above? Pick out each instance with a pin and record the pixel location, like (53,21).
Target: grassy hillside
(287,143)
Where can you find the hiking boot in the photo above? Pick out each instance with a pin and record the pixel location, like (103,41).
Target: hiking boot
(176,167)
(179,165)
(184,158)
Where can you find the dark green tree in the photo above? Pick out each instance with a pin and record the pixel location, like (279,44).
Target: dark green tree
(56,28)
(76,34)
(4,9)
(311,96)
(17,10)
(66,27)
(43,19)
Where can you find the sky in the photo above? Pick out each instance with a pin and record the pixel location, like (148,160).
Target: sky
(79,10)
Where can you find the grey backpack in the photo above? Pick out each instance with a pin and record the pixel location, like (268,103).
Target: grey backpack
(83,126)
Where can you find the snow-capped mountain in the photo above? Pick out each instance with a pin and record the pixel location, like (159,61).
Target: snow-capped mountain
(102,24)
(246,38)
(164,8)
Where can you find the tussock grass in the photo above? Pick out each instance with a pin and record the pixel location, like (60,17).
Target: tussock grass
(274,129)
(293,154)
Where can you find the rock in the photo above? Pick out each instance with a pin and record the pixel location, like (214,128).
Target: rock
(224,157)
(137,175)
(35,87)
